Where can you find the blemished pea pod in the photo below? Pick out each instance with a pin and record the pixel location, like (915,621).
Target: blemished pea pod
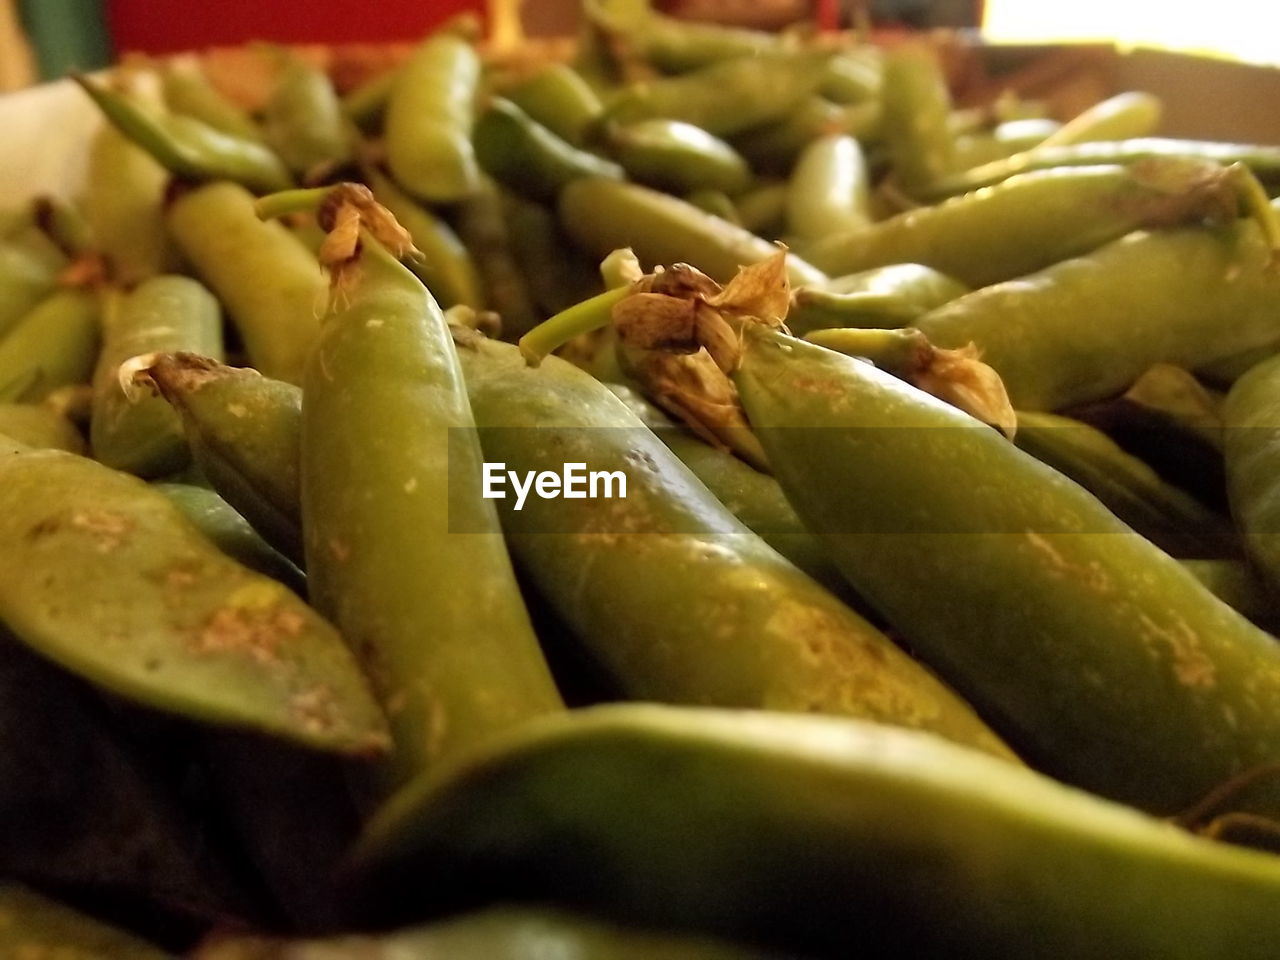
(676,156)
(883,297)
(724,98)
(123,204)
(774,147)
(143,434)
(708,814)
(828,193)
(35,927)
(1034,220)
(269,282)
(304,123)
(53,345)
(558,98)
(1252,420)
(188,91)
(675,45)
(527,157)
(556,274)
(914,121)
(40,427)
(482,225)
(429,118)
(189,148)
(26,277)
(1167,516)
(1102,660)
(1121,117)
(1238,584)
(445,266)
(602,216)
(106,577)
(243,430)
(674,598)
(401,549)
(1086,328)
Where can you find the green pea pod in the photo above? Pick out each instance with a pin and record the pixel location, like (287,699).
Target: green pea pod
(914,122)
(445,265)
(677,157)
(189,148)
(556,275)
(429,118)
(1008,138)
(104,576)
(304,123)
(558,98)
(602,216)
(1252,415)
(1121,117)
(1086,328)
(1222,374)
(386,445)
(715,202)
(674,45)
(1168,517)
(40,427)
(774,147)
(526,156)
(143,435)
(883,297)
(188,91)
(673,597)
(482,225)
(270,284)
(1034,220)
(1237,584)
(854,76)
(828,193)
(366,105)
(726,97)
(52,345)
(894,841)
(243,430)
(1175,396)
(1104,661)
(26,277)
(763,209)
(123,204)
(31,926)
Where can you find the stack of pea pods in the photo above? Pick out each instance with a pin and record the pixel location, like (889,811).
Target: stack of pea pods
(934,620)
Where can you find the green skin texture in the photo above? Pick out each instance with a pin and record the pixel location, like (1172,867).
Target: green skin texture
(1176,397)
(854,76)
(40,427)
(55,344)
(1122,117)
(700,818)
(304,122)
(429,118)
(502,933)
(445,267)
(674,45)
(26,278)
(188,91)
(602,216)
(763,209)
(676,599)
(32,926)
(266,278)
(105,576)
(556,275)
(558,98)
(436,615)
(1022,225)
(1238,584)
(366,104)
(1252,419)
(166,313)
(774,147)
(1101,659)
(915,118)
(829,191)
(676,156)
(123,204)
(523,154)
(1086,328)
(1167,516)
(482,225)
(889,297)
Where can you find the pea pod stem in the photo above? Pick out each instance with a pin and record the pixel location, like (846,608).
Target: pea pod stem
(585,317)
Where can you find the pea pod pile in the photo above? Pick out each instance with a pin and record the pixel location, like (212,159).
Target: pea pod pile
(911,598)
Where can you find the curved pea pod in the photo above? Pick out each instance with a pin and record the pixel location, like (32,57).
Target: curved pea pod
(526,156)
(1097,655)
(828,191)
(1034,220)
(1237,584)
(676,156)
(429,118)
(1168,517)
(445,265)
(774,147)
(53,345)
(870,826)
(670,594)
(1252,448)
(303,121)
(143,435)
(408,561)
(558,98)
(26,277)
(123,204)
(602,216)
(1086,328)
(914,121)
(188,91)
(883,297)
(269,282)
(32,926)
(483,227)
(1121,117)
(674,45)
(189,148)
(40,427)
(106,577)
(243,430)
